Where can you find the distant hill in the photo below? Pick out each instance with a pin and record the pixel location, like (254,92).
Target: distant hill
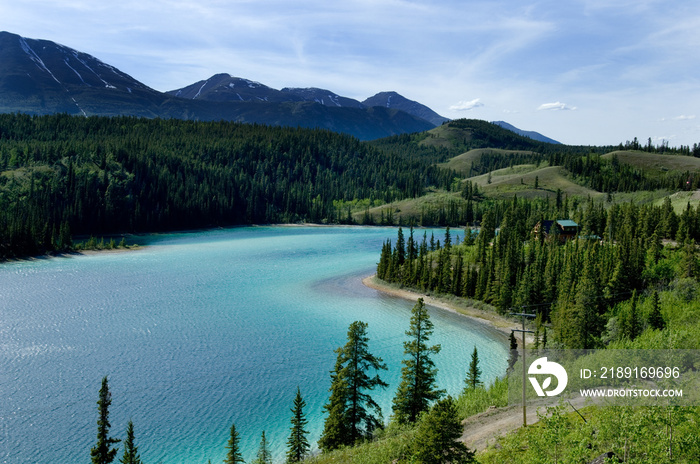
(396,101)
(531,134)
(656,163)
(43,77)
(462,135)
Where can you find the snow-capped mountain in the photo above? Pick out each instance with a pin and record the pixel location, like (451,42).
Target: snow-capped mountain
(43,77)
(40,76)
(323,96)
(224,87)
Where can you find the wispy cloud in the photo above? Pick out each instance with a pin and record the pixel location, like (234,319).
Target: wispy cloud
(467,105)
(684,117)
(556,106)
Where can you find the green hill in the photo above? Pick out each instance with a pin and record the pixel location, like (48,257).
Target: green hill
(520,180)
(655,163)
(466,162)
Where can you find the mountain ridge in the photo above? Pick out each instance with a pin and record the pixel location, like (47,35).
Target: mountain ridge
(529,134)
(39,76)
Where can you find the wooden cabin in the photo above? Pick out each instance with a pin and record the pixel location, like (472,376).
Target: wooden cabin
(563,229)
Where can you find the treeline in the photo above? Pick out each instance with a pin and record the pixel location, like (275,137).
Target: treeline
(64,175)
(572,285)
(611,176)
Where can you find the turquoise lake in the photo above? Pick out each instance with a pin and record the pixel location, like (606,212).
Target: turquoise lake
(197,331)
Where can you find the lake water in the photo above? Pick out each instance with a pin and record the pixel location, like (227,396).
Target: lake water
(197,331)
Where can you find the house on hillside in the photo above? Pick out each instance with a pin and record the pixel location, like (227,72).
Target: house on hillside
(563,229)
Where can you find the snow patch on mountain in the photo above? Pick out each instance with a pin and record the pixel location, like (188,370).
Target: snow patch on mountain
(200,89)
(35,58)
(76,72)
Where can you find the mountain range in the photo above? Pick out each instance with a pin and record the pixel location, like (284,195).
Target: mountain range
(44,77)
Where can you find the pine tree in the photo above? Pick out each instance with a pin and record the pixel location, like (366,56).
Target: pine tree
(131,453)
(655,319)
(400,248)
(102,452)
(417,388)
(264,456)
(350,419)
(233,455)
(436,437)
(474,373)
(297,443)
(335,428)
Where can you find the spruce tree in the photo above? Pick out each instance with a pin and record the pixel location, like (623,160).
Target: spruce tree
(264,456)
(417,388)
(437,435)
(655,319)
(335,428)
(233,455)
(297,443)
(473,378)
(102,452)
(131,452)
(350,418)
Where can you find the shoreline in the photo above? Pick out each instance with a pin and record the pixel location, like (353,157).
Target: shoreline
(494,321)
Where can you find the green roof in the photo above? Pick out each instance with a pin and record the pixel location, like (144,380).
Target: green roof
(567,223)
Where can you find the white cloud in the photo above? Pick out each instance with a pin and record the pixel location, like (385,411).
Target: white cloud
(556,106)
(467,105)
(684,117)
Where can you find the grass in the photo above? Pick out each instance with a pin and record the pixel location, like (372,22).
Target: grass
(520,180)
(433,200)
(463,162)
(656,163)
(680,200)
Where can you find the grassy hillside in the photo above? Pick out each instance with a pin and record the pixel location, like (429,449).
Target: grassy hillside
(655,163)
(520,180)
(680,200)
(465,162)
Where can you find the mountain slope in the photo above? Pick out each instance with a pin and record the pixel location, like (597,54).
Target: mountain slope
(531,134)
(224,87)
(323,96)
(40,76)
(396,101)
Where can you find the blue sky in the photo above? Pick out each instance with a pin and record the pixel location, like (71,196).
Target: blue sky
(579,71)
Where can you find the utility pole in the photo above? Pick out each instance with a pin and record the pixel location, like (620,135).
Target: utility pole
(523,331)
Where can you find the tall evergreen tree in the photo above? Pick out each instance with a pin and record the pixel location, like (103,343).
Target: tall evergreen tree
(233,455)
(473,378)
(655,319)
(264,456)
(335,428)
(350,401)
(436,438)
(131,452)
(417,388)
(102,452)
(298,445)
